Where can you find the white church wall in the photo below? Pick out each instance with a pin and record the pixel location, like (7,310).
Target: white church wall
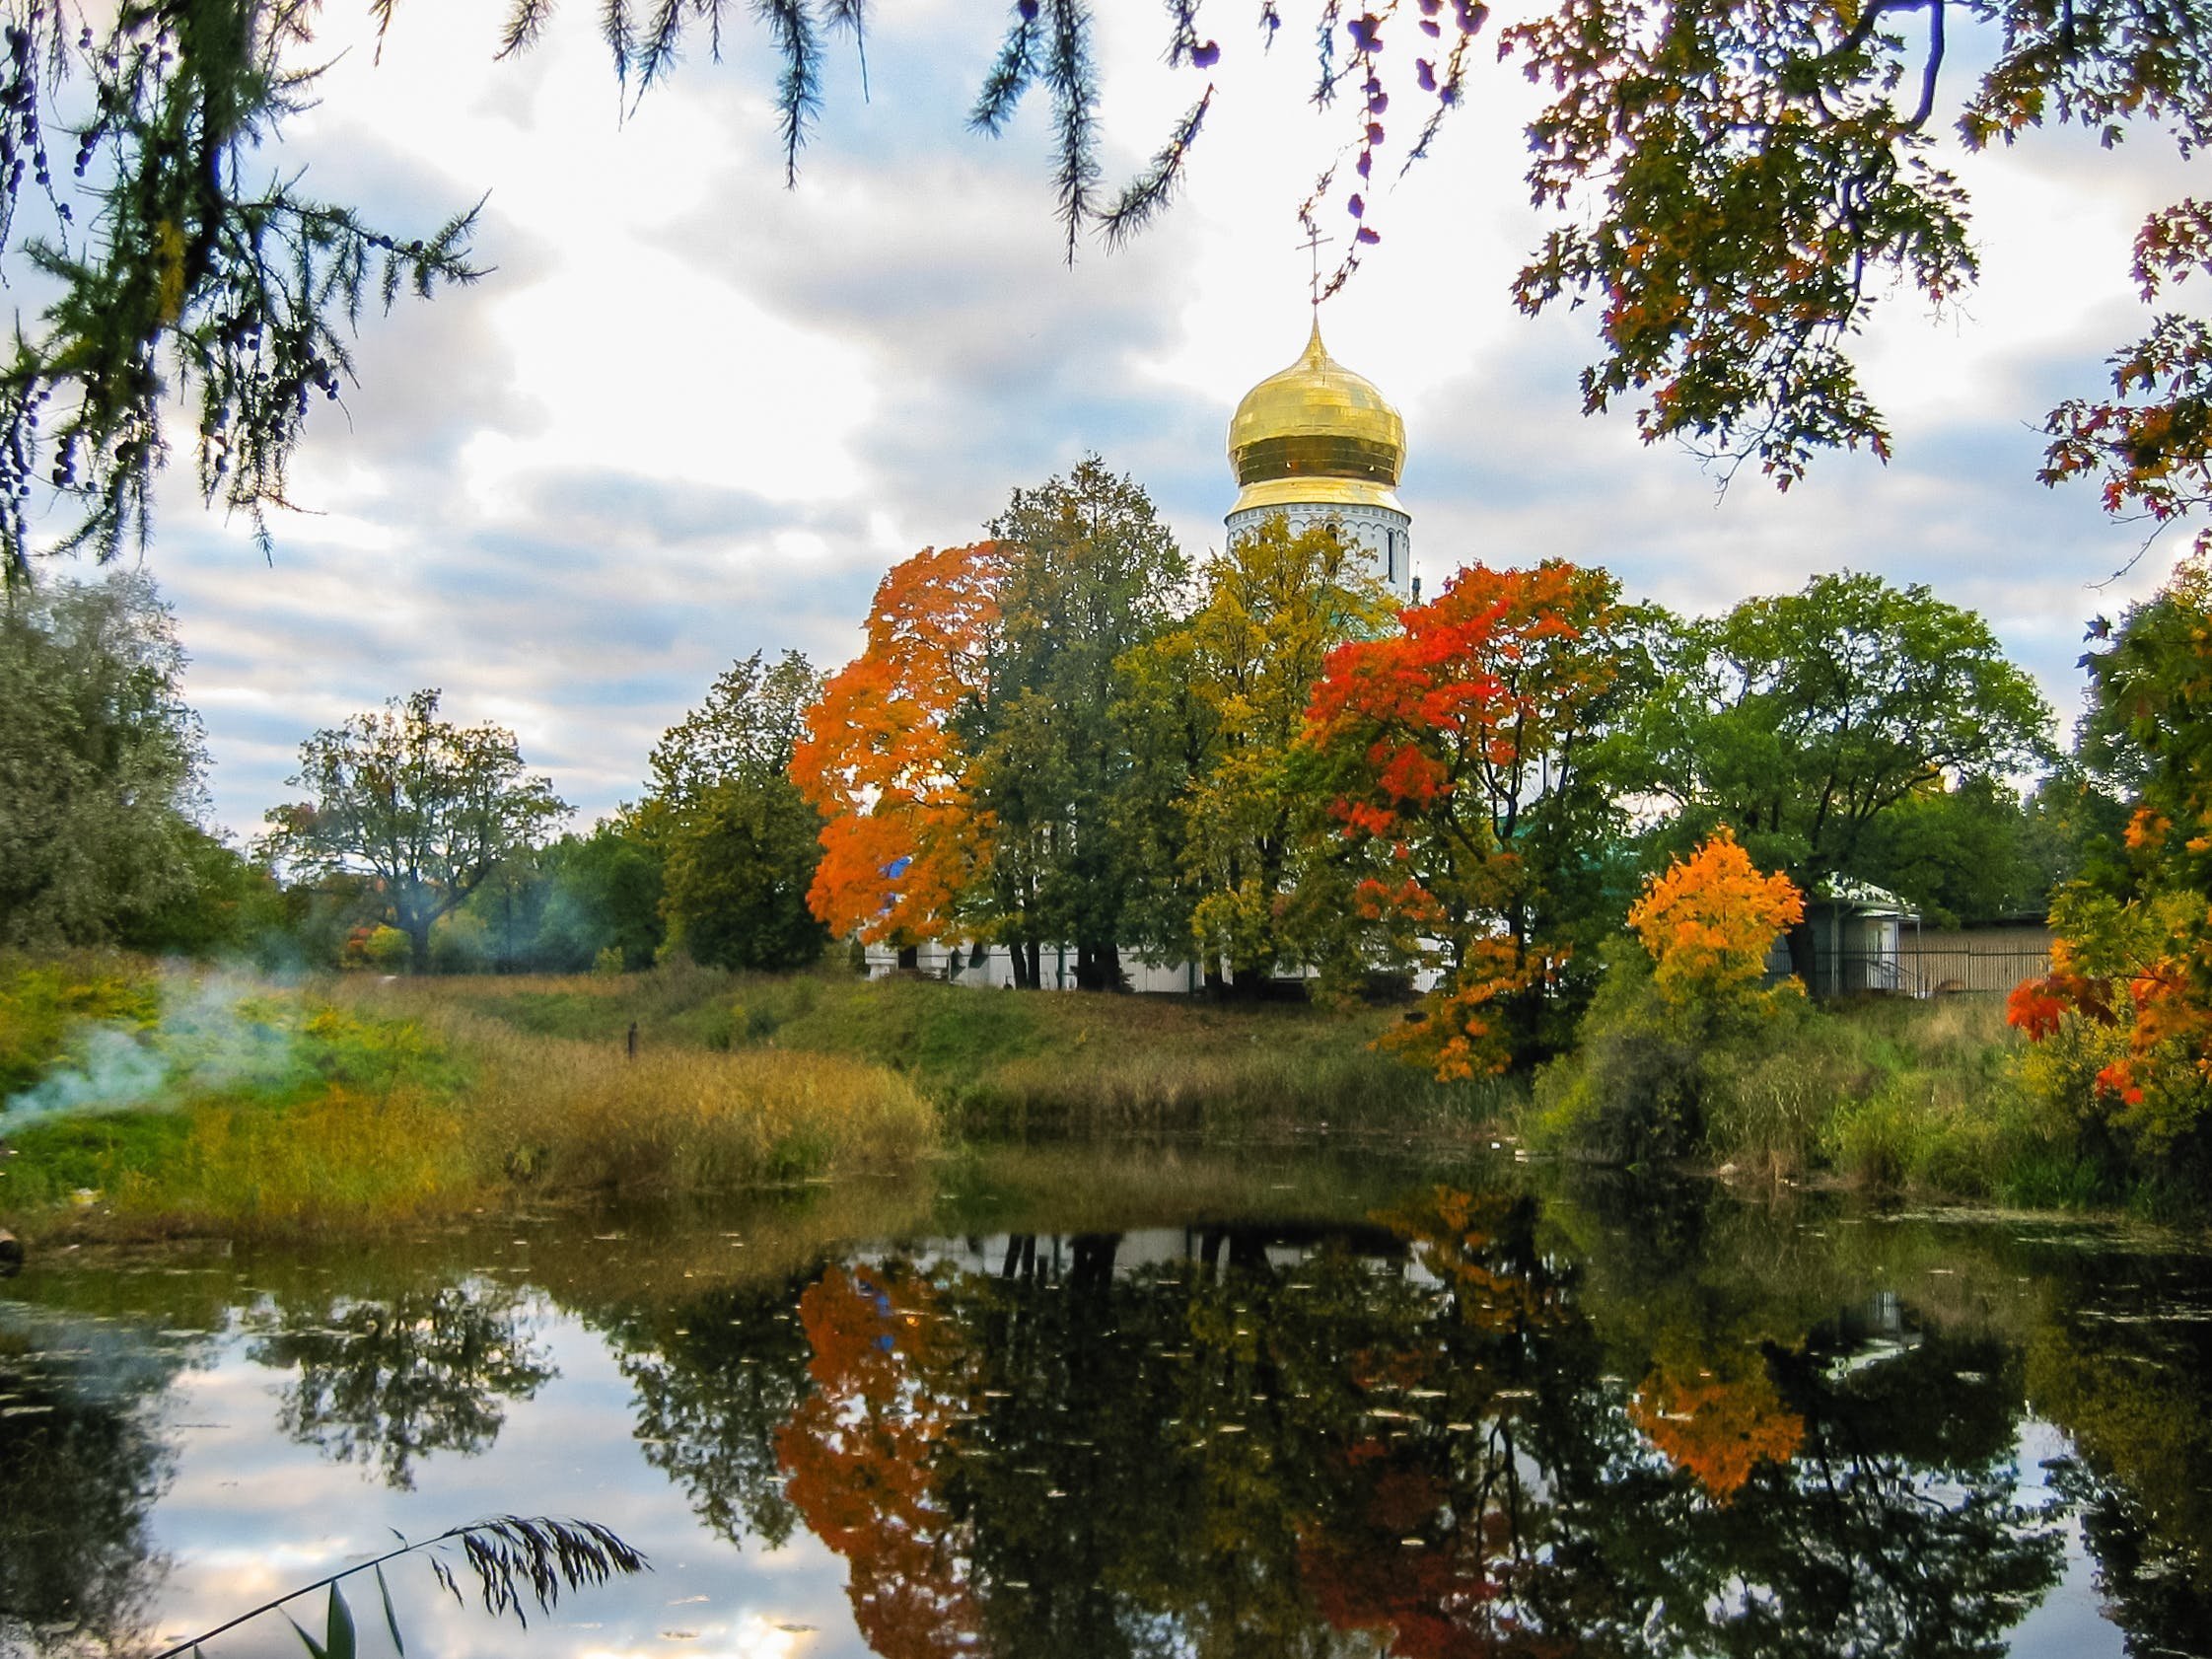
(991,967)
(1385,536)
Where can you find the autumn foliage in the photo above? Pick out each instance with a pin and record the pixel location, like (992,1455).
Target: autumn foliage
(1709,921)
(2131,964)
(881,761)
(1459,756)
(860,1453)
(1716,1422)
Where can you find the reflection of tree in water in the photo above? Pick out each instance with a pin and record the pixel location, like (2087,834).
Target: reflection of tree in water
(1411,1445)
(2154,1588)
(1716,1417)
(1210,1458)
(890,1387)
(388,1382)
(80,1467)
(2132,1385)
(715,1379)
(1896,1526)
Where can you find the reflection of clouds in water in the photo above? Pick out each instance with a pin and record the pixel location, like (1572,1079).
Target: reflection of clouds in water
(250,1514)
(753,1637)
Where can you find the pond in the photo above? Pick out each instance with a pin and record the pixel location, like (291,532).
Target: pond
(1146,1402)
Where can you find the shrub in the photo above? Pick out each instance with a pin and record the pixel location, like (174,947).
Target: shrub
(1672,1022)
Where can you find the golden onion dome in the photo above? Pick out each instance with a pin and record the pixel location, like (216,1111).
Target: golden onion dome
(1316,434)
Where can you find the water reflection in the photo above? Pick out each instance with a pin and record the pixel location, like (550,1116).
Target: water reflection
(386,1382)
(1421,1447)
(80,1468)
(1610,1420)
(715,1382)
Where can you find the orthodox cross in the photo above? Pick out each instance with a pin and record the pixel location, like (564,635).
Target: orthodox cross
(1313,245)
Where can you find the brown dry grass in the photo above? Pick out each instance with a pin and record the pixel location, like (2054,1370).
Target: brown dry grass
(566,1115)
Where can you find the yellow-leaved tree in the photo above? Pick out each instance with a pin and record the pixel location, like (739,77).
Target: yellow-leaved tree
(1226,831)
(1666,1015)
(1708,924)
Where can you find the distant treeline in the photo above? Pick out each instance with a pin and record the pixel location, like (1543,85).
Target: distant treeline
(1063,735)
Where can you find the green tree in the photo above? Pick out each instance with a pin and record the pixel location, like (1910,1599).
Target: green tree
(233,904)
(605,890)
(100,762)
(1802,719)
(1735,184)
(739,842)
(426,808)
(1092,574)
(1224,825)
(736,877)
(1962,855)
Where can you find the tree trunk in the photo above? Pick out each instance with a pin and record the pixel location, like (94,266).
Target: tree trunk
(1098,967)
(1804,958)
(1024,976)
(418,946)
(1093,1268)
(1036,965)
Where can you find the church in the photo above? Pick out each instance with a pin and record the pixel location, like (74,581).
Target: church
(1319,445)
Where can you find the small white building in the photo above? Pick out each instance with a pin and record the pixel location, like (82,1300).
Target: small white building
(1859,935)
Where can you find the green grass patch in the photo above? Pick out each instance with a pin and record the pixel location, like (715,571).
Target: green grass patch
(1004,1064)
(164,1103)
(44,1003)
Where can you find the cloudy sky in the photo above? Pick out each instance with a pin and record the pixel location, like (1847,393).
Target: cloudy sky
(691,413)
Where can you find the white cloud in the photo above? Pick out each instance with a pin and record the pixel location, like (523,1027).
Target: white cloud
(692,413)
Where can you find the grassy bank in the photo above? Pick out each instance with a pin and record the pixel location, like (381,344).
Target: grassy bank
(151,1102)
(139,1102)
(143,1101)
(999,1063)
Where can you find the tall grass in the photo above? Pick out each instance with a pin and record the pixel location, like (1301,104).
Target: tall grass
(342,1159)
(561,1115)
(1002,1063)
(1916,1096)
(1136,1090)
(280,1110)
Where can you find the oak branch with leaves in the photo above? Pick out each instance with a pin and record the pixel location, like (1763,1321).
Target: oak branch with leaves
(1730,184)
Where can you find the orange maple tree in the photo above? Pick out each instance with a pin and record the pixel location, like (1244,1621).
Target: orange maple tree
(1709,921)
(881,761)
(859,1456)
(1459,756)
